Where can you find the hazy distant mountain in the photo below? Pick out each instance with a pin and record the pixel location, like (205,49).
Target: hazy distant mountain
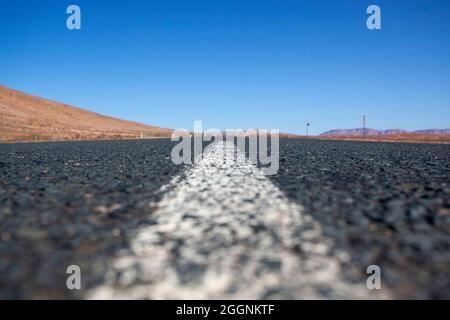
(434,131)
(393,131)
(375,132)
(360,132)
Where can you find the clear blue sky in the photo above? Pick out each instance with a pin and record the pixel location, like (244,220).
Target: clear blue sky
(236,63)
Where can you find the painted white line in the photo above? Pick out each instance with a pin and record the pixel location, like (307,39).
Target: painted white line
(227,232)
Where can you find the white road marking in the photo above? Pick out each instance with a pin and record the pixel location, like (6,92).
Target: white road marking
(227,232)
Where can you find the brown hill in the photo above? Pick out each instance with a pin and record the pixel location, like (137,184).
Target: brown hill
(24,117)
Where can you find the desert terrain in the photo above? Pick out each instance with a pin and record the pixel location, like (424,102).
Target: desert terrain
(27,118)
(24,117)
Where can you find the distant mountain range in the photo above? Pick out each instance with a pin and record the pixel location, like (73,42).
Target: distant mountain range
(375,132)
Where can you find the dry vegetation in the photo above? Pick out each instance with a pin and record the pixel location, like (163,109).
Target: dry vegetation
(27,118)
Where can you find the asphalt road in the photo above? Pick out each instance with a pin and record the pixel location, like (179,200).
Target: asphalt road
(141,227)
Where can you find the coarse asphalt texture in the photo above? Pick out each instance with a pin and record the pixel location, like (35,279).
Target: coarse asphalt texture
(91,203)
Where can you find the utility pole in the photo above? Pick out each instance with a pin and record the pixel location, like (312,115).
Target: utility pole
(307,128)
(364,126)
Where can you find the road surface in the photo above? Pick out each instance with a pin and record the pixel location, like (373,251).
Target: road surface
(141,227)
